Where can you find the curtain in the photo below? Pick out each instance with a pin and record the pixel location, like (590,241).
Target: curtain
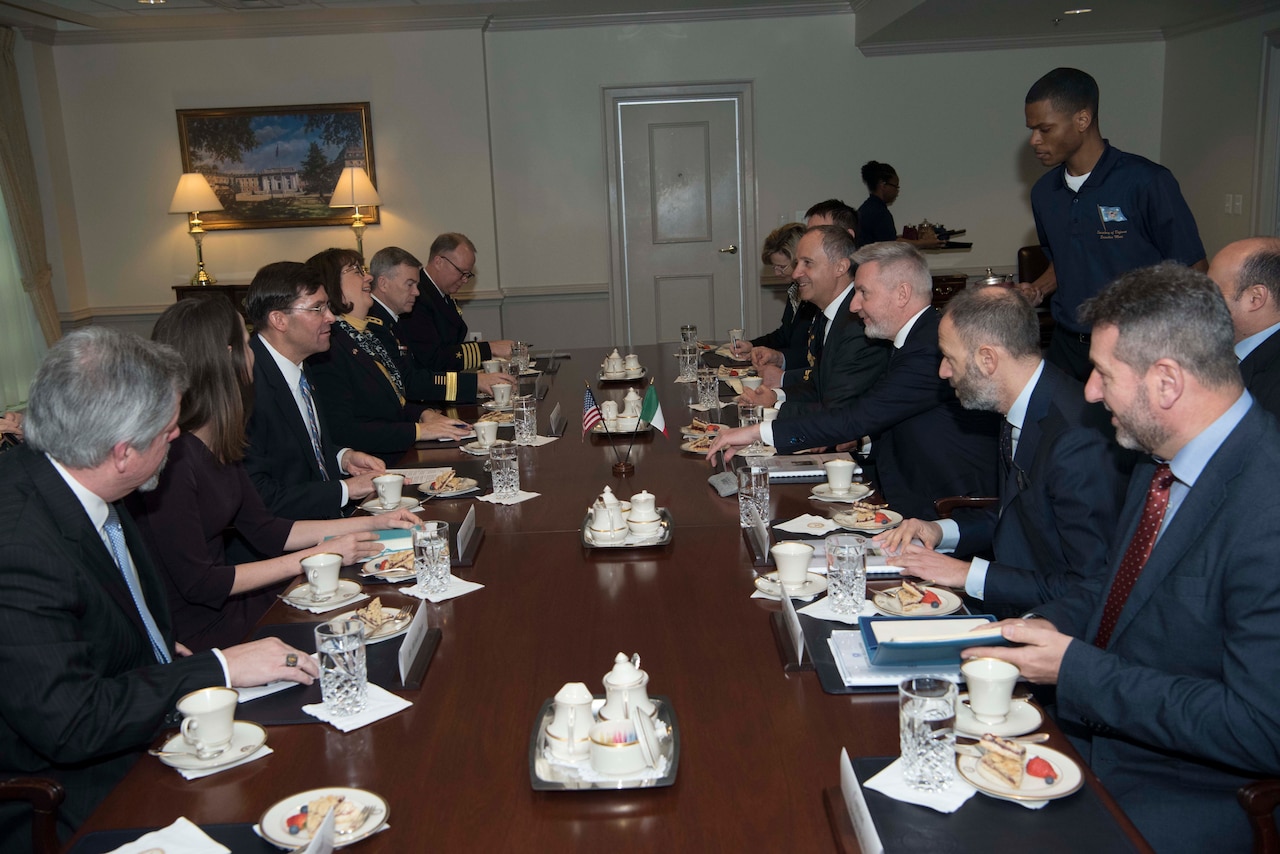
(21,342)
(21,197)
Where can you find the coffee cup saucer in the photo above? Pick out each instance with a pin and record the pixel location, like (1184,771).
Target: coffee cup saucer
(475,449)
(374,505)
(494,406)
(246,738)
(857,491)
(348,591)
(1023,717)
(813,585)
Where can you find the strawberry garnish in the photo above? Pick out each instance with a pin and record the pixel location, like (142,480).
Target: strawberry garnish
(931,599)
(881,519)
(1038,767)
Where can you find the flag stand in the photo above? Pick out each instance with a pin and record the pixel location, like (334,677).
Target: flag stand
(624,468)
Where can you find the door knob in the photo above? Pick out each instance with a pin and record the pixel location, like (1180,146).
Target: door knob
(732,250)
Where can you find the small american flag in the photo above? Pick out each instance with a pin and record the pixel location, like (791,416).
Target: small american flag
(590,412)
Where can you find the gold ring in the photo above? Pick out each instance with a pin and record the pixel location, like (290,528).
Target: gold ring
(291,660)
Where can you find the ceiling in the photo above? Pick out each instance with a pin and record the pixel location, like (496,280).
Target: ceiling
(883,26)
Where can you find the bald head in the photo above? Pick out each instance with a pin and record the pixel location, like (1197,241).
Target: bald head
(1248,274)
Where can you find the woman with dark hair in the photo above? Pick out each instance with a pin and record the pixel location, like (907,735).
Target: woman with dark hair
(362,387)
(875,223)
(203,491)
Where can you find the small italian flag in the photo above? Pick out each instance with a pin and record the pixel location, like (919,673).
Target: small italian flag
(651,410)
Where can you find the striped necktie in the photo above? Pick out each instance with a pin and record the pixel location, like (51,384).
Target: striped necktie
(313,423)
(120,553)
(816,328)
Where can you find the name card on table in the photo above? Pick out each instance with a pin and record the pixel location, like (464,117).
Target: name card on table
(466,529)
(412,643)
(558,421)
(759,532)
(863,827)
(792,621)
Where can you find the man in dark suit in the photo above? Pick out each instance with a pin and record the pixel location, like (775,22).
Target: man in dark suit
(435,331)
(395,286)
(925,445)
(297,476)
(1248,274)
(1167,677)
(1062,476)
(86,654)
(849,363)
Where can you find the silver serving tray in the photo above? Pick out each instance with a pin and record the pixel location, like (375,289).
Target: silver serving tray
(663,538)
(546,777)
(600,375)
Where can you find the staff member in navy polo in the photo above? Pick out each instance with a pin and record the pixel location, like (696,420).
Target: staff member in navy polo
(1100,212)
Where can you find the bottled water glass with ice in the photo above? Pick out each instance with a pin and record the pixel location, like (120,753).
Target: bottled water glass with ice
(926,734)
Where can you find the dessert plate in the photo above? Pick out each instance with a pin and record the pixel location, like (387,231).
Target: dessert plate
(1067,782)
(769,586)
(848,519)
(348,590)
(388,630)
(246,738)
(461,487)
(374,505)
(887,603)
(1023,717)
(857,492)
(275,828)
(692,448)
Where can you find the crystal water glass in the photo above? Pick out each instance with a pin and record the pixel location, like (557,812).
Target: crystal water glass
(846,573)
(750,415)
(519,357)
(688,361)
(689,334)
(431,556)
(525,419)
(926,732)
(344,677)
(504,468)
(708,388)
(753,494)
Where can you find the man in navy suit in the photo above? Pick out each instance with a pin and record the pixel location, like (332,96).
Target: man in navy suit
(1248,273)
(297,476)
(1168,677)
(87,657)
(925,445)
(849,363)
(1062,477)
(435,330)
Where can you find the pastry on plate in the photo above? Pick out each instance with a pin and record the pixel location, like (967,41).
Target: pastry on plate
(1002,760)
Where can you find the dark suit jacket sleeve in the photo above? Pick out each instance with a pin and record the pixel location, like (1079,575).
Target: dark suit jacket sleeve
(909,387)
(845,372)
(1261,372)
(1081,492)
(281,466)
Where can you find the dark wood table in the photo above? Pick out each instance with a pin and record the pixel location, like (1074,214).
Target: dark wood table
(758,745)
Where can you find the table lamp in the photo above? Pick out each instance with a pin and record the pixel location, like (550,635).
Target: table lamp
(354,189)
(192,196)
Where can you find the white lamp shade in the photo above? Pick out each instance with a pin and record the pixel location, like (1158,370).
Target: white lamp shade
(194,194)
(354,189)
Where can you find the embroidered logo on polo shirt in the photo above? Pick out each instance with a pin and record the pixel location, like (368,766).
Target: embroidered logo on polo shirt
(1111,214)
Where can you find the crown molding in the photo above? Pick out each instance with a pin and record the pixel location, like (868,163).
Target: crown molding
(1009,43)
(560,22)
(1246,10)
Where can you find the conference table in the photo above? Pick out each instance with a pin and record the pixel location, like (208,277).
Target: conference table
(759,745)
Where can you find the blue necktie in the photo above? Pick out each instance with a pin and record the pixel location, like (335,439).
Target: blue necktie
(115,536)
(313,424)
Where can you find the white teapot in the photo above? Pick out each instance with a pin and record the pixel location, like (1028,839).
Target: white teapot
(608,524)
(631,404)
(612,363)
(626,690)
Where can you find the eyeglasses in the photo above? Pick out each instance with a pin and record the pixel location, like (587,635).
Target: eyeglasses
(317,310)
(779,269)
(466,274)
(358,269)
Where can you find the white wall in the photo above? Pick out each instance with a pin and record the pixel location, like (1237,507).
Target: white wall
(1210,122)
(535,197)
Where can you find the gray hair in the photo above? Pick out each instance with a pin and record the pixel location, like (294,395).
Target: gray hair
(387,259)
(899,258)
(837,244)
(98,387)
(1169,312)
(995,315)
(1262,267)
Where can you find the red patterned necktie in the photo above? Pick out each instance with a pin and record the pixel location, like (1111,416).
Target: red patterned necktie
(1135,557)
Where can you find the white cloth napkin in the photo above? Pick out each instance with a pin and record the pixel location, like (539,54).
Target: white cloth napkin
(181,837)
(890,782)
(457,587)
(324,608)
(734,384)
(803,525)
(205,772)
(539,441)
(381,704)
(516,499)
(822,611)
(689,380)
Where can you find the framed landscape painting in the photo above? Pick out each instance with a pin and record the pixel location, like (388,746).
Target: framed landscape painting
(275,167)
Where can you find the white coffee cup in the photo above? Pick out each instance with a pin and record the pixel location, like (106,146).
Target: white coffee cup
(208,720)
(501,393)
(839,476)
(751,382)
(491,366)
(390,487)
(321,571)
(486,433)
(792,560)
(990,682)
